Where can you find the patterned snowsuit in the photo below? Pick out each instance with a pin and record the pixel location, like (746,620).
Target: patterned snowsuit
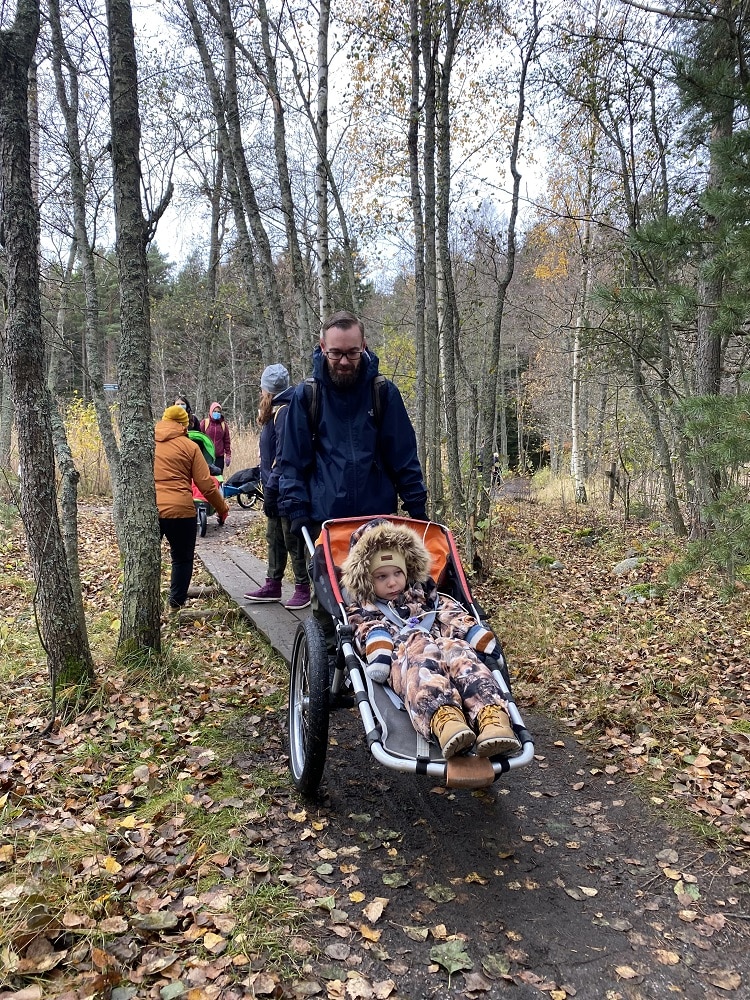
(432,669)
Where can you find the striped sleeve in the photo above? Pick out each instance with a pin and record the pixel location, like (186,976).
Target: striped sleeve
(483,640)
(379,647)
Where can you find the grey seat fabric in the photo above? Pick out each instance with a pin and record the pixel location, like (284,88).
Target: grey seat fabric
(399,736)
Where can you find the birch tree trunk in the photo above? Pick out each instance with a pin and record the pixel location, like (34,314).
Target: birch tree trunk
(66,86)
(419,237)
(244,242)
(62,634)
(494,388)
(140,621)
(434,464)
(69,474)
(276,347)
(318,121)
(576,457)
(211,316)
(6,410)
(305,320)
(450,325)
(322,244)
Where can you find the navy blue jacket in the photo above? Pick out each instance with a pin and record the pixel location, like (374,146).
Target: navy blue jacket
(354,467)
(270,444)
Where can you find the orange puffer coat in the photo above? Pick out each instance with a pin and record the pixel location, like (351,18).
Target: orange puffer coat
(177,461)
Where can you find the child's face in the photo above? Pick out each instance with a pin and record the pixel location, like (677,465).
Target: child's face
(388,582)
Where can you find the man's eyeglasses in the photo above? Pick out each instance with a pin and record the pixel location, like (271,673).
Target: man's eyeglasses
(353,355)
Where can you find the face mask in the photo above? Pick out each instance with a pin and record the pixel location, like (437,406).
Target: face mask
(181,406)
(216,415)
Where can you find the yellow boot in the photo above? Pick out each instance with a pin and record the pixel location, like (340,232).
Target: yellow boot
(496,734)
(451,730)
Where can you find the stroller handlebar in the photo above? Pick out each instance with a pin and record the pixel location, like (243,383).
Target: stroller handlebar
(308,540)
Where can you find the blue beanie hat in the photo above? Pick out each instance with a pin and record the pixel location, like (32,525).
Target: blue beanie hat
(275,379)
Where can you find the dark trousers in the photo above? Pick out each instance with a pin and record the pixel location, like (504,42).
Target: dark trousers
(180,532)
(282,544)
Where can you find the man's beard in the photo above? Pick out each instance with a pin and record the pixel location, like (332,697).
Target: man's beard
(343,380)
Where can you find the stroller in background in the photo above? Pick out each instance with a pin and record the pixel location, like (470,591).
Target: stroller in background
(246,486)
(315,684)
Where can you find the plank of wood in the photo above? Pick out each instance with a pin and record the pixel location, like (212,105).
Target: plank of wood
(237,571)
(203,591)
(203,614)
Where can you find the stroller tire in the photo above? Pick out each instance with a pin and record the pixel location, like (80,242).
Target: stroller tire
(247,500)
(308,707)
(202,520)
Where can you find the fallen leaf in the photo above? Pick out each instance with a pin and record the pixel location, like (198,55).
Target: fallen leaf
(369,933)
(665,957)
(626,972)
(359,989)
(440,893)
(374,910)
(474,982)
(113,925)
(452,956)
(157,920)
(725,979)
(215,943)
(496,965)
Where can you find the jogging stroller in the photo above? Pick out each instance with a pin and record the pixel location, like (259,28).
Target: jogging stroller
(318,681)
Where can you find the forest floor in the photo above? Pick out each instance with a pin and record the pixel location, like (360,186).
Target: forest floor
(152,844)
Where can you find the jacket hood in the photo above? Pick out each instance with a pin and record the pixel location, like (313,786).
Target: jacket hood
(168,430)
(284,397)
(381,534)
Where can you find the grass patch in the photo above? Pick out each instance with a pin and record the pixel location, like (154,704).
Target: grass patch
(268,915)
(666,668)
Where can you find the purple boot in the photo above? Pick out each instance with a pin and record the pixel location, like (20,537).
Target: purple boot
(300,598)
(270,591)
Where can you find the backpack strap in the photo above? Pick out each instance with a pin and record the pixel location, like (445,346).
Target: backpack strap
(312,402)
(379,387)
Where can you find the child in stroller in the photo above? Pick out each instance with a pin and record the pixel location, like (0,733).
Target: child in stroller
(424,643)
(317,680)
(203,509)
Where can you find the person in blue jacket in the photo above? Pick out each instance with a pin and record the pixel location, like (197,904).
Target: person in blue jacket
(275,395)
(354,458)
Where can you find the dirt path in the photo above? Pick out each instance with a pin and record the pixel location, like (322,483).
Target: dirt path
(559,880)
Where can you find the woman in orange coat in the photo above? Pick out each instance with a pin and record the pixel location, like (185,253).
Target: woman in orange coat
(177,463)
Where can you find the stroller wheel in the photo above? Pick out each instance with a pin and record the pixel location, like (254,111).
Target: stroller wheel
(202,520)
(248,500)
(308,707)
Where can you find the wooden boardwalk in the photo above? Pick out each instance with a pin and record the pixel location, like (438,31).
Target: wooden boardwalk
(237,571)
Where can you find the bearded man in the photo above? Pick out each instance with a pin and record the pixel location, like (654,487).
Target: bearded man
(356,454)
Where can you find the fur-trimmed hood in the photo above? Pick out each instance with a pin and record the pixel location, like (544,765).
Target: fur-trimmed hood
(382,534)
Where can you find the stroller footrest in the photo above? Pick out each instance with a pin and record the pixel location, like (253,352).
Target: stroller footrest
(469,772)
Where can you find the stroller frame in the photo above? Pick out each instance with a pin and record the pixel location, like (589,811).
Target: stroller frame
(317,685)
